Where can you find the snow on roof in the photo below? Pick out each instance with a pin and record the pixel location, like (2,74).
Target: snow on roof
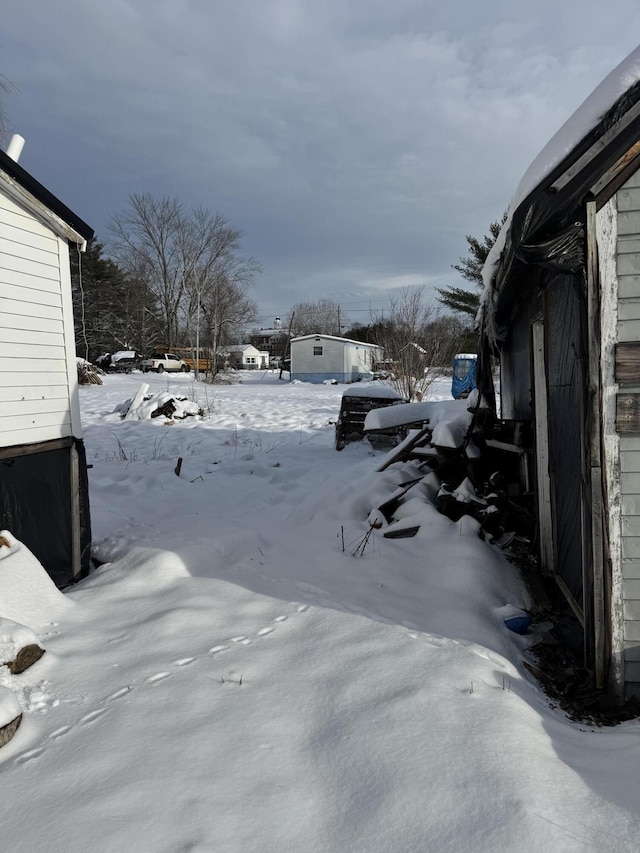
(237,348)
(264,333)
(335,338)
(380,392)
(572,132)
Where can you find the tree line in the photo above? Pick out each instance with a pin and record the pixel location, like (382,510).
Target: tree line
(173,277)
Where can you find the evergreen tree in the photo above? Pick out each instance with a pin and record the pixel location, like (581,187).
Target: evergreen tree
(111,311)
(460,299)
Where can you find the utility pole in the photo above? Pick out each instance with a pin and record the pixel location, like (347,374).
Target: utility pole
(198,337)
(287,346)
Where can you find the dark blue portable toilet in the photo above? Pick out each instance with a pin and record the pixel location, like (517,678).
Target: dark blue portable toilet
(464,374)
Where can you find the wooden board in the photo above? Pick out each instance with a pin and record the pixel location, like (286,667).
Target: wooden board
(628,363)
(628,413)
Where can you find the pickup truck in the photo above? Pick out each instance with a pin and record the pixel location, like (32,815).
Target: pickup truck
(164,361)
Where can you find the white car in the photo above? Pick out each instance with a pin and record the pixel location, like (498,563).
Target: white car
(164,361)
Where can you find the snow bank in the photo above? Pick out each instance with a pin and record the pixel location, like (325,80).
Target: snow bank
(9,706)
(27,593)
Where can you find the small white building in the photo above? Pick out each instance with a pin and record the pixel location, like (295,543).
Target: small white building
(43,485)
(245,357)
(317,358)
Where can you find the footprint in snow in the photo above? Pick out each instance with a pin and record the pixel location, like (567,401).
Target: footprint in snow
(263,632)
(119,694)
(159,676)
(244,640)
(63,730)
(215,649)
(92,716)
(184,661)
(29,755)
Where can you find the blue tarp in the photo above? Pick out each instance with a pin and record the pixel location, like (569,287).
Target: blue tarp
(464,375)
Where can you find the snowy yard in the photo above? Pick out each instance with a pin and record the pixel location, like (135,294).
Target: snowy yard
(232,680)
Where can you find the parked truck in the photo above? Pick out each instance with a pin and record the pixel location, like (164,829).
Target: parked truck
(159,362)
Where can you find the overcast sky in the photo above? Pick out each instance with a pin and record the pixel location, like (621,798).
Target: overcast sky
(353,142)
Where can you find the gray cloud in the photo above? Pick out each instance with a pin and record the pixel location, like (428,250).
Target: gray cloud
(354,143)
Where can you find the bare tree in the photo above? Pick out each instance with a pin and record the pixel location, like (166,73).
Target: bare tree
(216,281)
(316,318)
(188,260)
(227,311)
(146,237)
(418,340)
(6,88)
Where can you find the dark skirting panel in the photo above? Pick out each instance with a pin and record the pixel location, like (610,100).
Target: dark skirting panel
(566,364)
(37,506)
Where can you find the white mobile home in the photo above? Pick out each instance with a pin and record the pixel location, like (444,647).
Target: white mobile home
(43,481)
(318,358)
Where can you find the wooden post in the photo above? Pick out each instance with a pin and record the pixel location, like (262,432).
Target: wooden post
(541,427)
(594,416)
(76,555)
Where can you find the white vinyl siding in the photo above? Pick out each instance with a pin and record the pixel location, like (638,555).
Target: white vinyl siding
(339,358)
(37,353)
(627,252)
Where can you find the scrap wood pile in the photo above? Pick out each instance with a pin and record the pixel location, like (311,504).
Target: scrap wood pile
(164,404)
(477,470)
(459,457)
(88,374)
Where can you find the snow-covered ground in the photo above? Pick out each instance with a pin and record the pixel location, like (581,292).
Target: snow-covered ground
(233,679)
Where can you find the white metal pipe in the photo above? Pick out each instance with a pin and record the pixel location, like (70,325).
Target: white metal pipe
(15,146)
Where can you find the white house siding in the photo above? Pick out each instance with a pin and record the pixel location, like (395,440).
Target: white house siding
(37,357)
(628,329)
